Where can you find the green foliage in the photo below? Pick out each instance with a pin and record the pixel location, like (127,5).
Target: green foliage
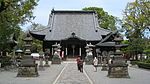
(136,18)
(37,44)
(134,62)
(143,65)
(147,47)
(147,61)
(136,21)
(5,61)
(20,40)
(14,13)
(106,21)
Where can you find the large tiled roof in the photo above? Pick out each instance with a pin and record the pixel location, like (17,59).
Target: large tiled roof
(84,24)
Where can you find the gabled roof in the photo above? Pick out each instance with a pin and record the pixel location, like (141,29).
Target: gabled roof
(83,23)
(109,37)
(39,34)
(108,41)
(110,44)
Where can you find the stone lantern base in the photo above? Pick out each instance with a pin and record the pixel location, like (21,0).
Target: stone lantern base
(89,60)
(56,59)
(118,71)
(46,62)
(27,71)
(27,68)
(104,67)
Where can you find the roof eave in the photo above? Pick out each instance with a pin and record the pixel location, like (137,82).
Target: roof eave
(37,36)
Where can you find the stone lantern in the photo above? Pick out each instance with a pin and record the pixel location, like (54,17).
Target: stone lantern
(56,57)
(18,56)
(118,68)
(27,68)
(89,55)
(41,57)
(46,58)
(99,56)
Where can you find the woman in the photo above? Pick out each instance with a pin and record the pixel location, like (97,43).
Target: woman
(78,62)
(95,63)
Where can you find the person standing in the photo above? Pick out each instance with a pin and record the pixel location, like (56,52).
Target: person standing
(81,65)
(95,63)
(78,62)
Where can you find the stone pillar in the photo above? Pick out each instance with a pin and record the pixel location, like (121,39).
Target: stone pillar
(41,67)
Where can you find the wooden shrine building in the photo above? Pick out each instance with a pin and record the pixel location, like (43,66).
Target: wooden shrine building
(73,30)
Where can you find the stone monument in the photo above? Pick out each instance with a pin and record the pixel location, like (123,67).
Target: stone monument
(28,67)
(118,68)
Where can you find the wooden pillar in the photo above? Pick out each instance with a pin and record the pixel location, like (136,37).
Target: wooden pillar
(52,51)
(80,51)
(66,51)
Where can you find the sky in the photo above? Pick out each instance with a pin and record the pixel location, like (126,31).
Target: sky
(44,7)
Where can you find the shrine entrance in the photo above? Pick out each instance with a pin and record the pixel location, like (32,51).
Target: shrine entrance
(73,47)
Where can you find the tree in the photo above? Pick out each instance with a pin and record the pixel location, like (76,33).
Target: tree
(147,47)
(135,22)
(14,13)
(136,18)
(106,21)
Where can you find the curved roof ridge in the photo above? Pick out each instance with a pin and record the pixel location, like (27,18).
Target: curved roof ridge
(38,30)
(73,37)
(104,29)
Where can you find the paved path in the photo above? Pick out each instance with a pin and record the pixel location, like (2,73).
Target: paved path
(46,77)
(70,75)
(137,76)
(67,73)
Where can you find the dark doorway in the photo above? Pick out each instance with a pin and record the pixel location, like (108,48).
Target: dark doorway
(73,50)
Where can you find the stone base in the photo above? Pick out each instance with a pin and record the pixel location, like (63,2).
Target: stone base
(41,68)
(27,72)
(56,62)
(104,68)
(56,59)
(46,65)
(118,71)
